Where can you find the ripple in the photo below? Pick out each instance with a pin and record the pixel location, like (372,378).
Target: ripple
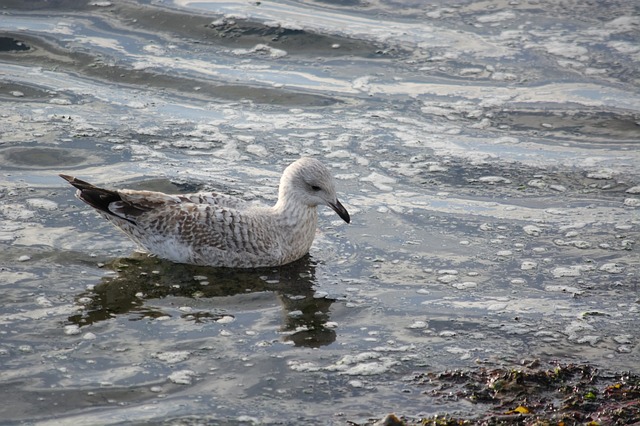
(46,158)
(10,44)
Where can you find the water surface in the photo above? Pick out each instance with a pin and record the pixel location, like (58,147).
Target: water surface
(487,153)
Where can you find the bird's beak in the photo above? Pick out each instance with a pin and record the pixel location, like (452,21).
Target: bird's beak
(342,212)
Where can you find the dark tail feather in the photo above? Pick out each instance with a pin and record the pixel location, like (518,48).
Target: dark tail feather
(98,198)
(80,184)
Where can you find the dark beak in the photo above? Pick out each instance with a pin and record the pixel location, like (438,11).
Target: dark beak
(342,212)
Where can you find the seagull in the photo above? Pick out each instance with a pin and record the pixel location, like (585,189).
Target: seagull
(213,229)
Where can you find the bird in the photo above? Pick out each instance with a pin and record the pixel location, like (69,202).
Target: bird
(219,230)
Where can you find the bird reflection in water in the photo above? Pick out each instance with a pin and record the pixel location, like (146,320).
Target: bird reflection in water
(140,279)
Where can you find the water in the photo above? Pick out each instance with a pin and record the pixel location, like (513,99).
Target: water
(487,153)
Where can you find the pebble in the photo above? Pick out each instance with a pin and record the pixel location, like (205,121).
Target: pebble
(465,285)
(419,324)
(612,268)
(532,230)
(72,329)
(447,278)
(623,339)
(559,188)
(601,174)
(492,180)
(172,357)
(567,271)
(182,377)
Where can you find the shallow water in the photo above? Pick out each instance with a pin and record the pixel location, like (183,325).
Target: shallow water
(487,153)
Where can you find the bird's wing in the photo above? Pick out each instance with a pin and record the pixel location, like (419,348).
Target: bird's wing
(216,199)
(205,221)
(133,204)
(195,224)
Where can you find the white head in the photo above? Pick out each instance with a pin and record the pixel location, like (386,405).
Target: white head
(310,182)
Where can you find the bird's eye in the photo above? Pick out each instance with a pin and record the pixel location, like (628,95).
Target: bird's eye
(315,188)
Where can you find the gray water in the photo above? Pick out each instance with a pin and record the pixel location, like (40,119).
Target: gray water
(487,152)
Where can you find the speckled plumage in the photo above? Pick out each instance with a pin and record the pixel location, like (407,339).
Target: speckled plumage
(220,230)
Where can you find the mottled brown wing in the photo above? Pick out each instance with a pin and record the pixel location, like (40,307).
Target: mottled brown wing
(216,199)
(194,224)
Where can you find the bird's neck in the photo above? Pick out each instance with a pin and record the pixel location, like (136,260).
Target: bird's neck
(299,222)
(291,212)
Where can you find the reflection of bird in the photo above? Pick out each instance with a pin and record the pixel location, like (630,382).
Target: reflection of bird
(141,281)
(220,230)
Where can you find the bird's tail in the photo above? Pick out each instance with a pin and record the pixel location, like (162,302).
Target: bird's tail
(98,198)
